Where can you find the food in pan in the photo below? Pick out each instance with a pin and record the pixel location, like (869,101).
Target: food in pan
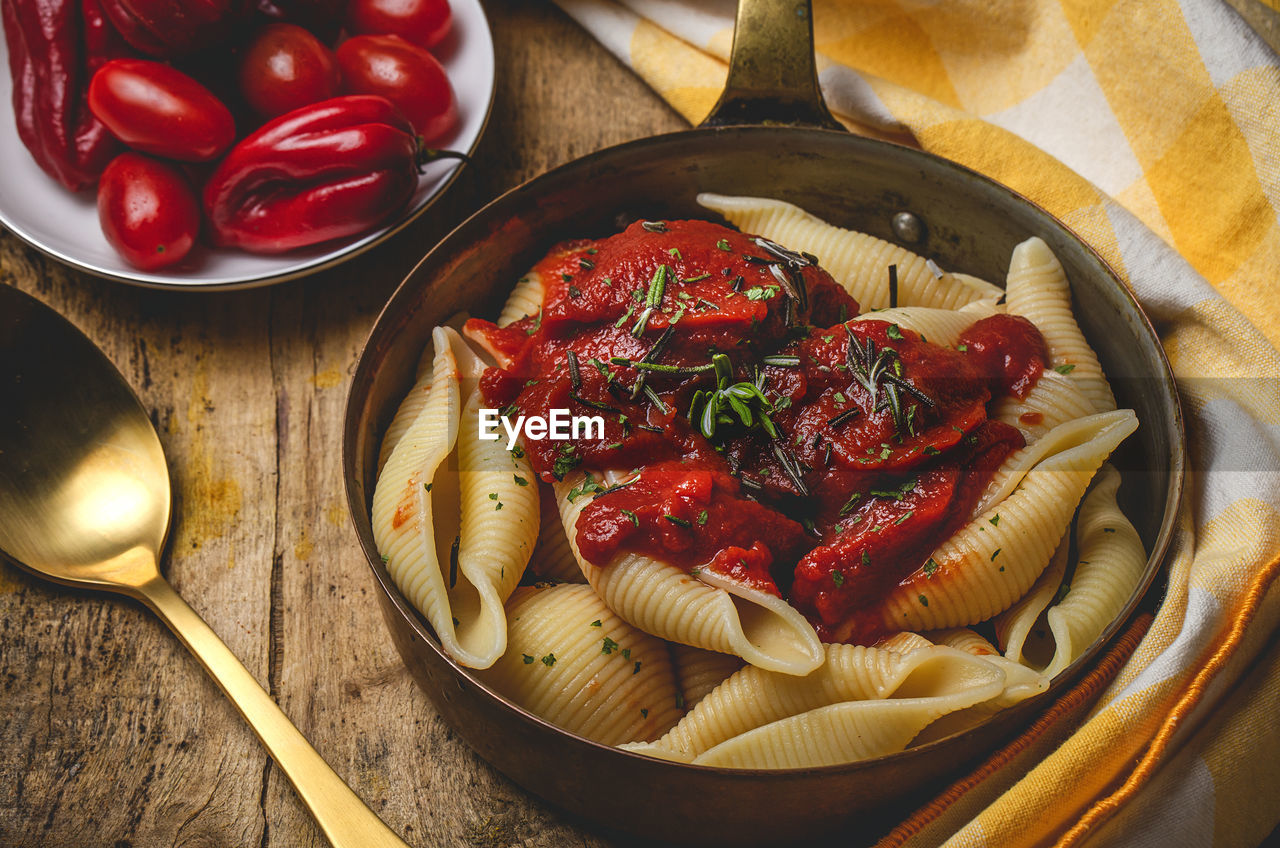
(790,486)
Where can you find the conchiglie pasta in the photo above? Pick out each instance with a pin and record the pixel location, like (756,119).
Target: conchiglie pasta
(1055,399)
(857,261)
(573,662)
(753,698)
(1020,682)
(701,671)
(707,611)
(841,733)
(992,561)
(1021,629)
(499,525)
(1037,290)
(938,326)
(406,413)
(1110,565)
(431,515)
(525,299)
(903,642)
(552,557)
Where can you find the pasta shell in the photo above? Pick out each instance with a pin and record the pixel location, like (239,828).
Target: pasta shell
(552,556)
(573,662)
(857,261)
(701,671)
(423,502)
(1054,399)
(968,584)
(753,698)
(1111,562)
(707,611)
(939,326)
(1037,289)
(525,299)
(1021,629)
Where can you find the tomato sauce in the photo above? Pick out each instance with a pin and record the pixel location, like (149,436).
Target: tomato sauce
(774,440)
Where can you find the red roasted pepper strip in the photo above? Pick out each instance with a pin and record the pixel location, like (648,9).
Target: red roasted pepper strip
(325,171)
(52,53)
(173,27)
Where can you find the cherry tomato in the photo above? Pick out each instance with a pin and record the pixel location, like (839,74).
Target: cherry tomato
(421,22)
(405,74)
(156,109)
(148,211)
(286,68)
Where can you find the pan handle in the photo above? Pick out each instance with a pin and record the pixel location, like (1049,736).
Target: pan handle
(772,76)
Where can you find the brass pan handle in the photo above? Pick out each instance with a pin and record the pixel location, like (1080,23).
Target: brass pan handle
(772,75)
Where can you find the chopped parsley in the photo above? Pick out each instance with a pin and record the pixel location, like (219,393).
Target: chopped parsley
(520,481)
(629,514)
(723,244)
(1064,369)
(595,623)
(549,660)
(762,292)
(528,660)
(566,461)
(893,332)
(702,517)
(923,600)
(608,646)
(837,577)
(930,567)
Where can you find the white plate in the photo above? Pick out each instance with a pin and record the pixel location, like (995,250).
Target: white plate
(65,225)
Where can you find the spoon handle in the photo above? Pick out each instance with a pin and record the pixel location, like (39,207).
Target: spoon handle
(343,817)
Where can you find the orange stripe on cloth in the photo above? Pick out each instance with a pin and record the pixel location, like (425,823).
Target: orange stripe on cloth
(1070,706)
(1154,757)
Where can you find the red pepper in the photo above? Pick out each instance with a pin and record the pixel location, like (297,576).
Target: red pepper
(174,27)
(329,170)
(322,17)
(54,47)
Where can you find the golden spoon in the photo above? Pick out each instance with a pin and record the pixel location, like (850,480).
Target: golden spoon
(84,501)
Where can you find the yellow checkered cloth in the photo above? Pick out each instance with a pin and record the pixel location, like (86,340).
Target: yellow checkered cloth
(1151,127)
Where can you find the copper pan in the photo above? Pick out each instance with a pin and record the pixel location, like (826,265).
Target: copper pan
(770,135)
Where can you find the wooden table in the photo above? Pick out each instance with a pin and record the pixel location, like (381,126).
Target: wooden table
(110,733)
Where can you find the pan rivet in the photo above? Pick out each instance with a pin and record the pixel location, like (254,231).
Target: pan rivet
(908,227)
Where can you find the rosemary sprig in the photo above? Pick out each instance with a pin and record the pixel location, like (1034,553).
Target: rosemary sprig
(652,300)
(575,374)
(876,371)
(788,271)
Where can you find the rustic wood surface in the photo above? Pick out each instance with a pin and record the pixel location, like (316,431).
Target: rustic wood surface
(110,733)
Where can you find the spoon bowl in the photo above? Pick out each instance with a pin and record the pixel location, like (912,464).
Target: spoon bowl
(85,501)
(83,480)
